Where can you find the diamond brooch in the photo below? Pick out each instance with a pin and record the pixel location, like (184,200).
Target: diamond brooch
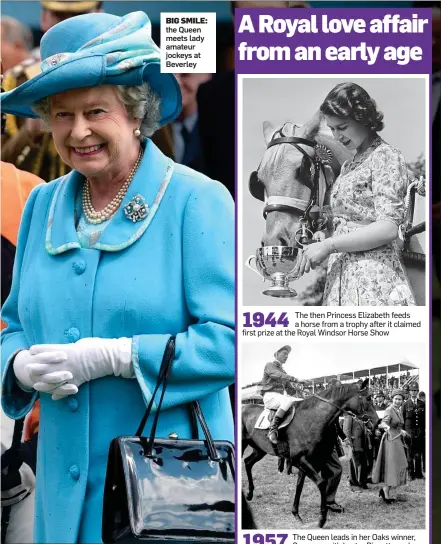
(136,209)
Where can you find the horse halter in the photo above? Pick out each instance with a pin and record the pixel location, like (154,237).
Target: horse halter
(322,156)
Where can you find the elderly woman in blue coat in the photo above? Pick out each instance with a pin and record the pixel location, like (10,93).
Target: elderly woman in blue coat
(112,259)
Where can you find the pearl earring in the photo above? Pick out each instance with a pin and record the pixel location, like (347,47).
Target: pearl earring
(137,132)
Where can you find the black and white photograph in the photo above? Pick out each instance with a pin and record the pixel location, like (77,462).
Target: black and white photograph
(338,443)
(332,200)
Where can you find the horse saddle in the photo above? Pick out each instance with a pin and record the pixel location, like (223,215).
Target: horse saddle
(266,417)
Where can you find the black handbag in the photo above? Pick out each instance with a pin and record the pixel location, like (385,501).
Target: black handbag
(169,489)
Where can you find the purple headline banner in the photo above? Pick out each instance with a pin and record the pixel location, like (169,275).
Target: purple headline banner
(333,41)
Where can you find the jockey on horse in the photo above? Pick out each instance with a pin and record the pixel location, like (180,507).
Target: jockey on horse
(274,384)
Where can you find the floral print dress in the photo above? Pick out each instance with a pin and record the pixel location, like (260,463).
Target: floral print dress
(371,187)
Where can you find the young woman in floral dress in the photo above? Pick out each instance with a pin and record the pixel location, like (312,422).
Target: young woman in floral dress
(367,204)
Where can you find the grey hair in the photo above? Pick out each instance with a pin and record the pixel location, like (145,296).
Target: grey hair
(143,103)
(140,101)
(14,31)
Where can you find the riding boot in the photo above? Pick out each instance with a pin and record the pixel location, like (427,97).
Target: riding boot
(273,430)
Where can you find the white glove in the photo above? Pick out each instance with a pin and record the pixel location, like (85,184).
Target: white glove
(87,359)
(30,369)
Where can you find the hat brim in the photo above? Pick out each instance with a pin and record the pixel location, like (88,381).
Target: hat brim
(90,71)
(70,7)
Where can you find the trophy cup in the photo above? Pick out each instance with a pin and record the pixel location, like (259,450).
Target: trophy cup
(280,265)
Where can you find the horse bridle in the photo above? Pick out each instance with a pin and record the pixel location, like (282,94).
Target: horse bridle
(340,409)
(322,156)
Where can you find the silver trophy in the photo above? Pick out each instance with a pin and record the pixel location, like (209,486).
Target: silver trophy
(280,265)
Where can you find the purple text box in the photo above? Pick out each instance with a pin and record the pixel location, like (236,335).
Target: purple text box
(393,18)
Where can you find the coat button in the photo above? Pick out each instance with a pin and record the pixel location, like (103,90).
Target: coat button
(74,472)
(79,266)
(73,405)
(72,334)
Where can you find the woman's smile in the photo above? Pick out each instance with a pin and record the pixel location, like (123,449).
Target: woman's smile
(88,151)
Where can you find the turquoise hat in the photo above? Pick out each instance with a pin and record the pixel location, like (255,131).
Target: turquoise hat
(97,49)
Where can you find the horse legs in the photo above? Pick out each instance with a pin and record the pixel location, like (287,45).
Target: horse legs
(281,465)
(313,475)
(250,461)
(245,444)
(245,438)
(299,488)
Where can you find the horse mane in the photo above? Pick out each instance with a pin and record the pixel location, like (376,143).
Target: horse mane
(333,392)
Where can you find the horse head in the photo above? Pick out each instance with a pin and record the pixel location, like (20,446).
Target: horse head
(361,404)
(298,167)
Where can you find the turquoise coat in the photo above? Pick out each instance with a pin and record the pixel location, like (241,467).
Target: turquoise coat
(169,274)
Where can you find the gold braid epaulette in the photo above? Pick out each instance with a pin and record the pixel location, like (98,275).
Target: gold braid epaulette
(38,161)
(9,83)
(53,167)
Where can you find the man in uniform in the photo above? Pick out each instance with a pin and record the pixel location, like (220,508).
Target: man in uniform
(26,144)
(380,403)
(414,425)
(274,383)
(422,416)
(355,433)
(405,388)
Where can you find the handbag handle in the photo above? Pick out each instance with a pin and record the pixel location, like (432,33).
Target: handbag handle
(164,372)
(210,443)
(167,359)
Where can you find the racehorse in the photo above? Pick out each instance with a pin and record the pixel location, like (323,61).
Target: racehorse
(310,435)
(294,178)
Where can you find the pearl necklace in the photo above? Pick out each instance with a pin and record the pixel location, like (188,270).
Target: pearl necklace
(94,217)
